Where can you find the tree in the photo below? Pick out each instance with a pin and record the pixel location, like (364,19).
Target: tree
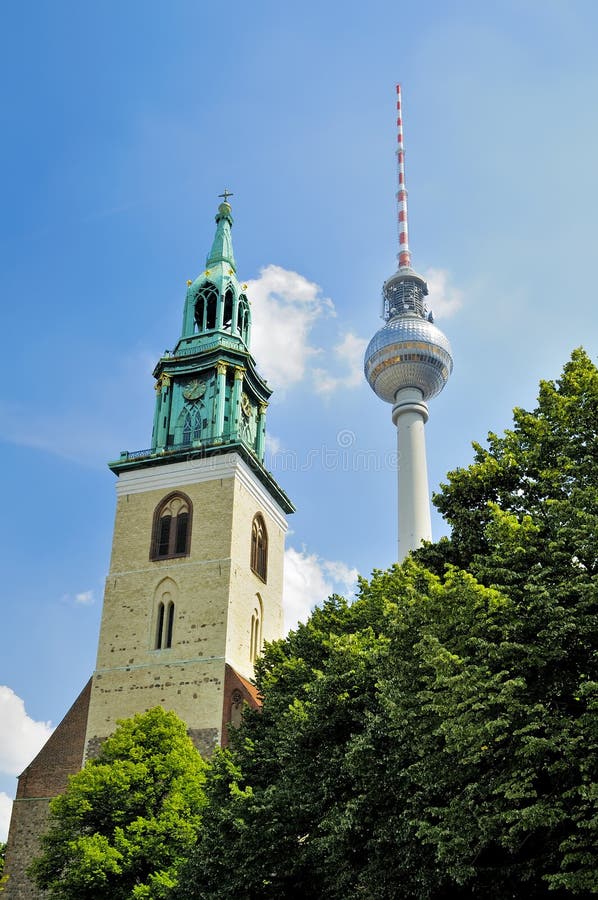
(438,737)
(2,876)
(128,818)
(543,472)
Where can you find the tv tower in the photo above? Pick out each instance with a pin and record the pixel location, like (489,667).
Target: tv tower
(407,362)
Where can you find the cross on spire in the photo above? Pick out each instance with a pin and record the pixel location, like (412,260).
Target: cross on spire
(226,195)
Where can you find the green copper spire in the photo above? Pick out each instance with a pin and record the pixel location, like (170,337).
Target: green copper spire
(222,248)
(216,301)
(210,398)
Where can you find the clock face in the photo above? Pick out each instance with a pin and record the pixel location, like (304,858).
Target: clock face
(194,390)
(245,405)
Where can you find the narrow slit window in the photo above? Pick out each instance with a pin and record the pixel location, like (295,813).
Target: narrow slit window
(159,626)
(169,626)
(182,521)
(164,539)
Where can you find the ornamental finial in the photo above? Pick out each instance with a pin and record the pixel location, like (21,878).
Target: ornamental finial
(226,194)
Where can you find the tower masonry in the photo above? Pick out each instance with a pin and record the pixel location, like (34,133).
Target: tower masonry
(196,570)
(195,581)
(407,362)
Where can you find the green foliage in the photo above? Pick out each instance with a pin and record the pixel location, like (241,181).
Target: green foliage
(545,468)
(3,878)
(128,818)
(438,737)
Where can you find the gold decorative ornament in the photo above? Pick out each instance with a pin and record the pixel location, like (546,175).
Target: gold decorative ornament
(245,405)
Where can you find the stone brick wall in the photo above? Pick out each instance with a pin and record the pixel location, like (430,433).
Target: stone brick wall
(44,778)
(27,824)
(214,593)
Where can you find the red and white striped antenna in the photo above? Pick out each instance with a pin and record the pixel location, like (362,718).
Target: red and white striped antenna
(404,255)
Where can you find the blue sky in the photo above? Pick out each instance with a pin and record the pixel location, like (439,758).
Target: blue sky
(124,121)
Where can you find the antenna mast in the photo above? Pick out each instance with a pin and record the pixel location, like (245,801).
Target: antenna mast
(404,255)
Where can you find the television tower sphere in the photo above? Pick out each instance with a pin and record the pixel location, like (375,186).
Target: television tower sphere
(409,351)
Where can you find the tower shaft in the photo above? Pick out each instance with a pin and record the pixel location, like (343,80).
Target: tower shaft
(409,415)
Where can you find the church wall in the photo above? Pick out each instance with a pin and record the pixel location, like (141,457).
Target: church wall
(131,675)
(28,822)
(44,778)
(213,589)
(246,585)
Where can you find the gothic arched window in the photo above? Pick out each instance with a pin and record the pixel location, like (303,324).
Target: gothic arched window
(228,309)
(255,636)
(259,547)
(191,424)
(243,317)
(171,533)
(205,307)
(164,623)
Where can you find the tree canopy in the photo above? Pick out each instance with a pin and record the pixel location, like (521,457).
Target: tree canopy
(437,737)
(128,818)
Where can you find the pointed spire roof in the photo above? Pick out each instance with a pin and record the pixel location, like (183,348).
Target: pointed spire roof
(222,247)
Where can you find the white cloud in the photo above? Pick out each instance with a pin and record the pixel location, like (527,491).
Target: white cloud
(21,737)
(85,598)
(285,307)
(309,580)
(5,810)
(273,444)
(349,354)
(443,299)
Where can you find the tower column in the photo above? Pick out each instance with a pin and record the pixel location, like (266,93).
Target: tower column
(261,431)
(236,399)
(162,416)
(410,414)
(220,400)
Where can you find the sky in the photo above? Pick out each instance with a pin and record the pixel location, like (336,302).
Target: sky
(123,121)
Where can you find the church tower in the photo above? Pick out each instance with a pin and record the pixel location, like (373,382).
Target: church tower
(195,581)
(196,571)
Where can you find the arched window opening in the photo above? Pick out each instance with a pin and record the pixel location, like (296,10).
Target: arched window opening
(228,309)
(169,625)
(243,317)
(164,535)
(259,547)
(165,598)
(199,314)
(191,424)
(205,307)
(171,534)
(255,634)
(159,626)
(211,312)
